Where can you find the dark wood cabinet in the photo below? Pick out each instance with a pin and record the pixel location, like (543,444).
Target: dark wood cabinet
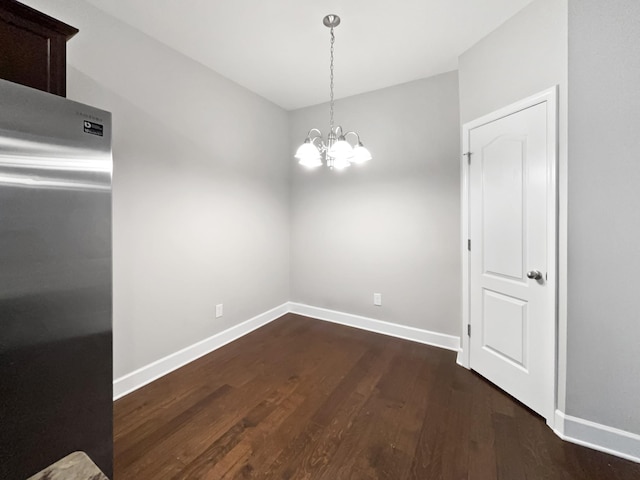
(33,48)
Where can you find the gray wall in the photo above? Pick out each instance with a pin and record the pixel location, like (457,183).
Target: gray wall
(390,226)
(525,55)
(200,188)
(603,370)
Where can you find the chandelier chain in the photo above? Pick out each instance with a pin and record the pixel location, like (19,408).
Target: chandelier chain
(333,39)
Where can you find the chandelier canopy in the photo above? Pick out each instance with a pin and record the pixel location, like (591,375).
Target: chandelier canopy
(336,151)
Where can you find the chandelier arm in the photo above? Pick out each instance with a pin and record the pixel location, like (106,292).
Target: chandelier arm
(353,133)
(318,141)
(314,130)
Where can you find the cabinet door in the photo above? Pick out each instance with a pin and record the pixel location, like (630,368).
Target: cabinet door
(33,48)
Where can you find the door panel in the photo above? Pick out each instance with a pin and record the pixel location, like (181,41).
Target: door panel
(514,344)
(503,173)
(505,326)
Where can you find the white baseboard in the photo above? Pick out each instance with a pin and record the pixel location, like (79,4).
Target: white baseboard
(461,359)
(427,337)
(597,436)
(147,374)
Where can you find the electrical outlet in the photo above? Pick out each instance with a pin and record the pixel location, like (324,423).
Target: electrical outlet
(377,299)
(218,310)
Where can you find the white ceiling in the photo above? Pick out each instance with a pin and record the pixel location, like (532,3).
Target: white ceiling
(280,48)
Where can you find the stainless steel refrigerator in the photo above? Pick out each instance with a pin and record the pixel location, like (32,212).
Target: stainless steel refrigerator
(55,282)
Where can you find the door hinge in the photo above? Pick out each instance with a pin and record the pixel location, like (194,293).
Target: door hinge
(468,329)
(469,244)
(468,155)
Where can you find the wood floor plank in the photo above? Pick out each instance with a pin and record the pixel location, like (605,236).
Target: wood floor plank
(330,371)
(508,450)
(482,453)
(455,455)
(429,450)
(305,399)
(393,434)
(313,452)
(181,448)
(301,446)
(176,450)
(256,449)
(236,367)
(131,447)
(536,447)
(214,453)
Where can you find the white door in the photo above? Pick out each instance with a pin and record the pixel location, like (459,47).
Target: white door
(512,229)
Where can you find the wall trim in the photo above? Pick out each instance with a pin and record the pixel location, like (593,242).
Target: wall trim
(147,374)
(597,436)
(449,342)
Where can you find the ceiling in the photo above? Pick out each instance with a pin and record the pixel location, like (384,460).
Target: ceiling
(280,48)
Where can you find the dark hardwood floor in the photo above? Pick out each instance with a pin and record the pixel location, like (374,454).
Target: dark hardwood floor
(305,399)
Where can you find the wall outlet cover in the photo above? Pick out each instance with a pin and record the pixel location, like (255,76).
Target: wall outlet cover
(377,299)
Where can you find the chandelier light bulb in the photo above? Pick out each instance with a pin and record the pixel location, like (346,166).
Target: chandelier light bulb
(341,149)
(310,162)
(340,163)
(360,154)
(308,155)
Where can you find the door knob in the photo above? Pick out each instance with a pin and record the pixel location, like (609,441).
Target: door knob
(534,274)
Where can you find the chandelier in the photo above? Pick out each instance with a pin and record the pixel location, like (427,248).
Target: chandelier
(337,152)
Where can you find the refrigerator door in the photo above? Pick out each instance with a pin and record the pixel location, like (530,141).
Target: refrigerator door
(55,282)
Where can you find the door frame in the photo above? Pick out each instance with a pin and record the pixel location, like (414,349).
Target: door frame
(550,96)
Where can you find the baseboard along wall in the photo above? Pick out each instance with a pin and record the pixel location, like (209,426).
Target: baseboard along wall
(597,436)
(147,374)
(449,342)
(572,429)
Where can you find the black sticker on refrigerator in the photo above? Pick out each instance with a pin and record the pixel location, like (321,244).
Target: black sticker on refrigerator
(93,128)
